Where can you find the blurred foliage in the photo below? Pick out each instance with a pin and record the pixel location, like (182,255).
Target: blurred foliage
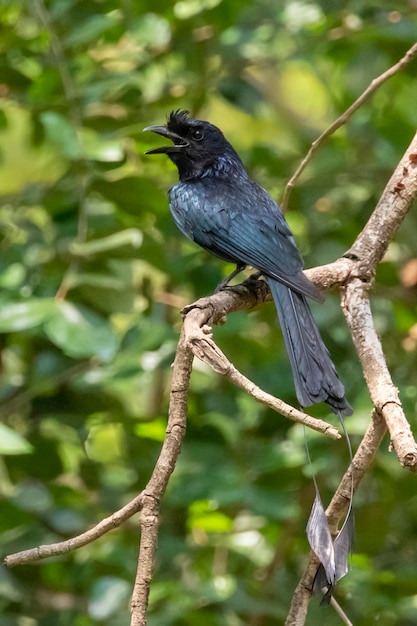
(93,274)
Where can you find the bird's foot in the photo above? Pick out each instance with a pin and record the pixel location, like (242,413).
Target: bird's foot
(224,284)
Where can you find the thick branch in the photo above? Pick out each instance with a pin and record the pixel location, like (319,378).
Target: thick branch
(399,194)
(367,251)
(155,489)
(384,394)
(357,271)
(197,334)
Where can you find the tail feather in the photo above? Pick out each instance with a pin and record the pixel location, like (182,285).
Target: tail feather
(315,375)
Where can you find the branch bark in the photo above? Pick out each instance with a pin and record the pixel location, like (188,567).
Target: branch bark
(62,547)
(155,489)
(367,251)
(197,320)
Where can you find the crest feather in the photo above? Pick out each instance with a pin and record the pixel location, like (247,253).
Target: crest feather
(177,120)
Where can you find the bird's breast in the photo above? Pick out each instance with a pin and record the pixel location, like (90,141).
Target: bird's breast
(183,206)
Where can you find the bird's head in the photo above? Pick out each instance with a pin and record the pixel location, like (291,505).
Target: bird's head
(198,147)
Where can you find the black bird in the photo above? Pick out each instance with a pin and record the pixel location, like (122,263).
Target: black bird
(219,207)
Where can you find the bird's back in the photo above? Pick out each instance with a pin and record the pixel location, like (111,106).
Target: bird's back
(237,220)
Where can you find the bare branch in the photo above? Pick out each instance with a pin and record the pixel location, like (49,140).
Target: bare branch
(155,489)
(383,392)
(148,501)
(55,549)
(197,334)
(391,210)
(368,250)
(345,117)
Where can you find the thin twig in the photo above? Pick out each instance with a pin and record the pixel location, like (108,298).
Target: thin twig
(345,117)
(100,529)
(340,612)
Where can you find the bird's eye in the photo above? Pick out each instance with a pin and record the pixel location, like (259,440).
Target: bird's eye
(197,134)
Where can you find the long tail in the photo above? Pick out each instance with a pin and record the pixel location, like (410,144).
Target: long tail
(315,376)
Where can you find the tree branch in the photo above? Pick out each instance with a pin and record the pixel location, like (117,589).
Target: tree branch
(382,390)
(409,56)
(155,489)
(368,249)
(148,501)
(197,320)
(62,547)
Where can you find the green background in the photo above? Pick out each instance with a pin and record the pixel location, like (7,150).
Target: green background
(93,275)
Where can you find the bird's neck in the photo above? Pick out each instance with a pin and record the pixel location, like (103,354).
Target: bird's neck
(223,167)
(226,167)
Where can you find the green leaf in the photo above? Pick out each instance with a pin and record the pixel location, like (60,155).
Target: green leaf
(91,28)
(131,237)
(32,495)
(62,134)
(13,443)
(129,194)
(13,276)
(22,315)
(81,333)
(108,595)
(9,589)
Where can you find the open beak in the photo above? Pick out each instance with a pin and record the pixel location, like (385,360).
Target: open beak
(178,141)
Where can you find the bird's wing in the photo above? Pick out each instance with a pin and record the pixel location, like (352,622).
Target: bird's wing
(241,224)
